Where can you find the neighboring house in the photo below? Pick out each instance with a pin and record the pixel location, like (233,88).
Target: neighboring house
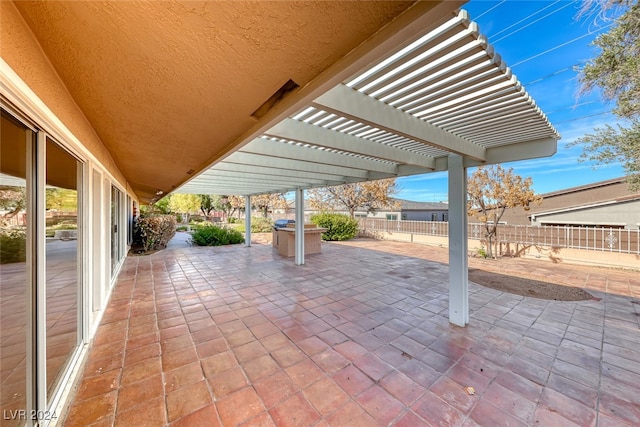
(601,204)
(406,210)
(411,211)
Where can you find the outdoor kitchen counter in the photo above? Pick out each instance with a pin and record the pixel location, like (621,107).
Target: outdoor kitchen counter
(284,239)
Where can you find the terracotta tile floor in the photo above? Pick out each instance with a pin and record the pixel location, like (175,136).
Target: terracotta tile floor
(358,336)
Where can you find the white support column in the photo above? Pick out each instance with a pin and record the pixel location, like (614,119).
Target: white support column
(247,221)
(299,240)
(458,254)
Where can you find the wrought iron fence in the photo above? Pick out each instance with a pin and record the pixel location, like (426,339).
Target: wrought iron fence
(589,238)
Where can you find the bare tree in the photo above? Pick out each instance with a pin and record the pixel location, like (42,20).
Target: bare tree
(369,196)
(268,202)
(493,189)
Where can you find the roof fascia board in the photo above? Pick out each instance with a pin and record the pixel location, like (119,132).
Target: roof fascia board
(585,187)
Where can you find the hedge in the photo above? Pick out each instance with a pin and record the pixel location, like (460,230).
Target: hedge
(213,235)
(339,226)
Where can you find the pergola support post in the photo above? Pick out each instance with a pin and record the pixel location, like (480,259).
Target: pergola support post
(247,221)
(458,254)
(299,239)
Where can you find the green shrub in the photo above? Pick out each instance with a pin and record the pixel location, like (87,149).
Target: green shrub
(339,227)
(154,231)
(181,228)
(258,225)
(13,246)
(199,225)
(215,236)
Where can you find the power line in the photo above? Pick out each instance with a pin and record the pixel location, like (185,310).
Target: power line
(582,117)
(555,73)
(558,46)
(531,23)
(490,9)
(524,19)
(548,113)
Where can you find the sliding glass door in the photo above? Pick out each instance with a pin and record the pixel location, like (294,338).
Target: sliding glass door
(63,268)
(15,278)
(41,314)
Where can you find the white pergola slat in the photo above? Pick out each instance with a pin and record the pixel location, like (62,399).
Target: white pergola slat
(295,130)
(434,99)
(445,92)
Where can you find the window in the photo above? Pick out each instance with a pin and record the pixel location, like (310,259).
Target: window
(116,229)
(392,217)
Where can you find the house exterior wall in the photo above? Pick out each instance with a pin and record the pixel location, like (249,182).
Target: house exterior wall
(33,93)
(426,215)
(579,196)
(622,214)
(21,51)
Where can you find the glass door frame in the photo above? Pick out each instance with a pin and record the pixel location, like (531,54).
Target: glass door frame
(39,404)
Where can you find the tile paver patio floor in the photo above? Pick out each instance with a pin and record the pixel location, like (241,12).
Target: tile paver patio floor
(358,336)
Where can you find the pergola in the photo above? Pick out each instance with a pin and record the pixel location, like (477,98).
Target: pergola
(424,99)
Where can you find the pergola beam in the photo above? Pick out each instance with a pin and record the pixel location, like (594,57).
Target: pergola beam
(344,101)
(250,160)
(295,130)
(296,152)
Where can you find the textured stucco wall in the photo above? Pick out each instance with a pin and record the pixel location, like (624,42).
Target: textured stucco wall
(21,51)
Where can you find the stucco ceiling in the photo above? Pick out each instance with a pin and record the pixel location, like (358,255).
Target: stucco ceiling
(169,87)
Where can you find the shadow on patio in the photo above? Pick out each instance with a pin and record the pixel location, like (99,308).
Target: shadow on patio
(359,336)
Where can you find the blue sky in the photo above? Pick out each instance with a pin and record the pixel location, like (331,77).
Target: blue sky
(542,42)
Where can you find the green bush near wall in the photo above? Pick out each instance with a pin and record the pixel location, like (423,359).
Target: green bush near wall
(213,235)
(13,246)
(339,227)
